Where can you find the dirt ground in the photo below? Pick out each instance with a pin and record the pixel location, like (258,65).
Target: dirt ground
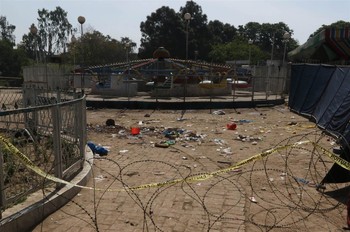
(278,187)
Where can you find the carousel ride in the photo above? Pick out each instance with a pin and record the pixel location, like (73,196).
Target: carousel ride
(164,73)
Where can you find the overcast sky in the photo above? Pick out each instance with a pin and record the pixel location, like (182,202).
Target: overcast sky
(122,18)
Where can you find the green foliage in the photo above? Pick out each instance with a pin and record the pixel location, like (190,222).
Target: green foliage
(6,30)
(11,60)
(221,33)
(54,30)
(238,49)
(94,48)
(163,28)
(208,41)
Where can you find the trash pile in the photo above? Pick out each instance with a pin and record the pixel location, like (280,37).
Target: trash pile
(168,136)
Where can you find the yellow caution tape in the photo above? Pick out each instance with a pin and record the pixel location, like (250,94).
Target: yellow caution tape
(340,161)
(200,177)
(29,164)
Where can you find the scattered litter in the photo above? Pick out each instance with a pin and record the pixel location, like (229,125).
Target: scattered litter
(219,112)
(252,199)
(158,173)
(97,149)
(231,126)
(99,178)
(184,157)
(301,180)
(147,115)
(123,151)
(135,130)
(224,162)
(219,141)
(110,122)
(227,151)
(241,121)
(130,174)
(162,144)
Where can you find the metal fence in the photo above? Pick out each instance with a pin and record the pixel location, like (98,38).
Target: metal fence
(49,128)
(264,83)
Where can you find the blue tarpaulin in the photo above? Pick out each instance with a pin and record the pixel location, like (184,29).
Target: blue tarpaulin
(322,93)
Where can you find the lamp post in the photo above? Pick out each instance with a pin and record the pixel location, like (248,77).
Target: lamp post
(273,45)
(127,48)
(73,41)
(187,18)
(81,20)
(34,32)
(250,42)
(286,37)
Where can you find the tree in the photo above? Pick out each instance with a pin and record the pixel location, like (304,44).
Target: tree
(11,60)
(166,28)
(29,44)
(268,37)
(6,30)
(54,30)
(238,49)
(221,33)
(199,34)
(163,28)
(95,49)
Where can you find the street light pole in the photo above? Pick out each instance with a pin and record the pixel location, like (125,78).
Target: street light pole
(286,37)
(127,47)
(81,20)
(34,32)
(187,17)
(273,45)
(250,42)
(73,41)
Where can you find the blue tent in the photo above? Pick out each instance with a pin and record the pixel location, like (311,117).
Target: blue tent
(322,93)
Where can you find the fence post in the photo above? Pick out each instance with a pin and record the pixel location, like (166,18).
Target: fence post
(2,187)
(253,87)
(56,118)
(82,137)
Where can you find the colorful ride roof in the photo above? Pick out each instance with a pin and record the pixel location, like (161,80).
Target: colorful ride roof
(156,66)
(331,44)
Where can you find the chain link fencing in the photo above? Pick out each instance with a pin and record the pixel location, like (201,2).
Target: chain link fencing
(46,121)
